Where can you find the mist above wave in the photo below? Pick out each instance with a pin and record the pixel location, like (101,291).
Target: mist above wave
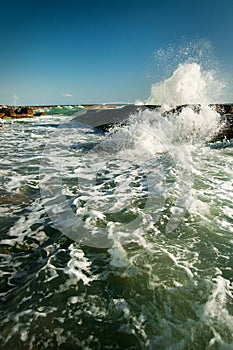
(188,84)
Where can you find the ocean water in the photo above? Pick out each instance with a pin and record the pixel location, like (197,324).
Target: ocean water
(123,240)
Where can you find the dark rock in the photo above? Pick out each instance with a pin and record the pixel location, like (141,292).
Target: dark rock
(39,114)
(99,117)
(223,108)
(226,128)
(21,112)
(9,112)
(27,110)
(105,119)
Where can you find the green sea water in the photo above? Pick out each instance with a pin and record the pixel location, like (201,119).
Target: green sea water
(164,280)
(62,110)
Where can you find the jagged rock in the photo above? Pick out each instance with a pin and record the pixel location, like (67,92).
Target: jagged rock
(176,110)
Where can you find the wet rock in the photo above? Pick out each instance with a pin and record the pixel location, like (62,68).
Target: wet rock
(27,110)
(21,112)
(223,108)
(9,112)
(39,114)
(226,128)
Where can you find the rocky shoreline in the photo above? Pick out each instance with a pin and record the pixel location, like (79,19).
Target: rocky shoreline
(104,119)
(108,116)
(10,112)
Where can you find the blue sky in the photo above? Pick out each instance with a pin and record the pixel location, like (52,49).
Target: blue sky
(100,51)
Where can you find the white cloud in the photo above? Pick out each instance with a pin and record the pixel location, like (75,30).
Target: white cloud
(67,95)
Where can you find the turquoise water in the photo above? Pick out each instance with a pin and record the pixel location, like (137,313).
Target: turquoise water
(62,110)
(165,209)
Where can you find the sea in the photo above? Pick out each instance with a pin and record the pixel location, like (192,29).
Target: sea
(119,240)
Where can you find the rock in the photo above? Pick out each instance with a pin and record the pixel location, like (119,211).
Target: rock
(20,112)
(27,110)
(226,130)
(39,114)
(9,112)
(224,108)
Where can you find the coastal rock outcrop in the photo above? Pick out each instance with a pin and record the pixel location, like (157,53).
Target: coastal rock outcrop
(8,112)
(104,119)
(24,111)
(226,129)
(109,115)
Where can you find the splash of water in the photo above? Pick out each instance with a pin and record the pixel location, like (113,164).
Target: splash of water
(190,77)
(161,140)
(187,85)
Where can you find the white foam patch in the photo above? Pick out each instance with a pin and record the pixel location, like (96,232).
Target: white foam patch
(216,307)
(78,267)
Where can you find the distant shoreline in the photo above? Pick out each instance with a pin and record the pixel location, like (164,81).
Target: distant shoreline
(16,112)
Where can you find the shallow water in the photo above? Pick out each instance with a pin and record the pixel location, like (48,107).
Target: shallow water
(155,269)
